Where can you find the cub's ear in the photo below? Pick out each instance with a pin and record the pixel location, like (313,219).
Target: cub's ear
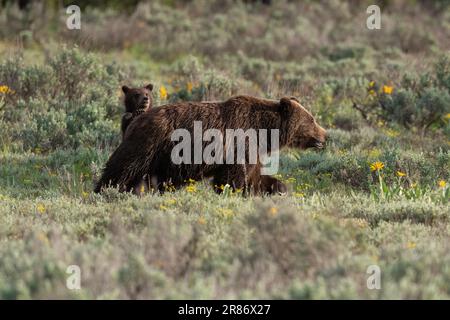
(125,89)
(149,87)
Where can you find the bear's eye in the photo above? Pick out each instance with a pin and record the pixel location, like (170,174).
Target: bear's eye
(136,95)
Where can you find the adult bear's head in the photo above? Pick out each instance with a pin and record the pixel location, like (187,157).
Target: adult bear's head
(299,129)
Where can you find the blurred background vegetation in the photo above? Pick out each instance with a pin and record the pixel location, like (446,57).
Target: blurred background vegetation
(320,51)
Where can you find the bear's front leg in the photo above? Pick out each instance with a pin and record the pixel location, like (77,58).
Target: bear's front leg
(236,176)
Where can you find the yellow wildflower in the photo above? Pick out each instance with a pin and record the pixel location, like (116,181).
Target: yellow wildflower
(372,92)
(411,245)
(40,208)
(401,174)
(371,84)
(169,187)
(4,89)
(201,220)
(170,201)
(392,133)
(388,89)
(377,166)
(447,116)
(189,87)
(191,188)
(442,183)
(226,213)
(87,175)
(163,93)
(85,194)
(273,211)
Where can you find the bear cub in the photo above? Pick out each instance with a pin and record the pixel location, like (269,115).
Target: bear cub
(137,101)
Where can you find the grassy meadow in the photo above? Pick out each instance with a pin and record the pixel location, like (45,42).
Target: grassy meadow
(377,195)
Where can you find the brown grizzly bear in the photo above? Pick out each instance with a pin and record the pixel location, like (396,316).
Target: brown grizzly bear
(147,145)
(137,101)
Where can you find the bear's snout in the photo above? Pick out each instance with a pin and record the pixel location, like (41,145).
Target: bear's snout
(319,140)
(315,143)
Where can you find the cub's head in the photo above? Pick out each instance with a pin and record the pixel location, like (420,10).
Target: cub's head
(299,129)
(138,98)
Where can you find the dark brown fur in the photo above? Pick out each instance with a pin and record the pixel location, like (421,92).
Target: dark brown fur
(147,145)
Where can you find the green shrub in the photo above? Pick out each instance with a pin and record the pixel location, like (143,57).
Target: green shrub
(67,103)
(420,102)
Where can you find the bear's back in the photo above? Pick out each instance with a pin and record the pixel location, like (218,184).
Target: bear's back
(239,112)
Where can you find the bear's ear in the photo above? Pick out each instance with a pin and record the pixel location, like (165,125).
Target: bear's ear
(295,99)
(149,87)
(285,106)
(125,89)
(287,126)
